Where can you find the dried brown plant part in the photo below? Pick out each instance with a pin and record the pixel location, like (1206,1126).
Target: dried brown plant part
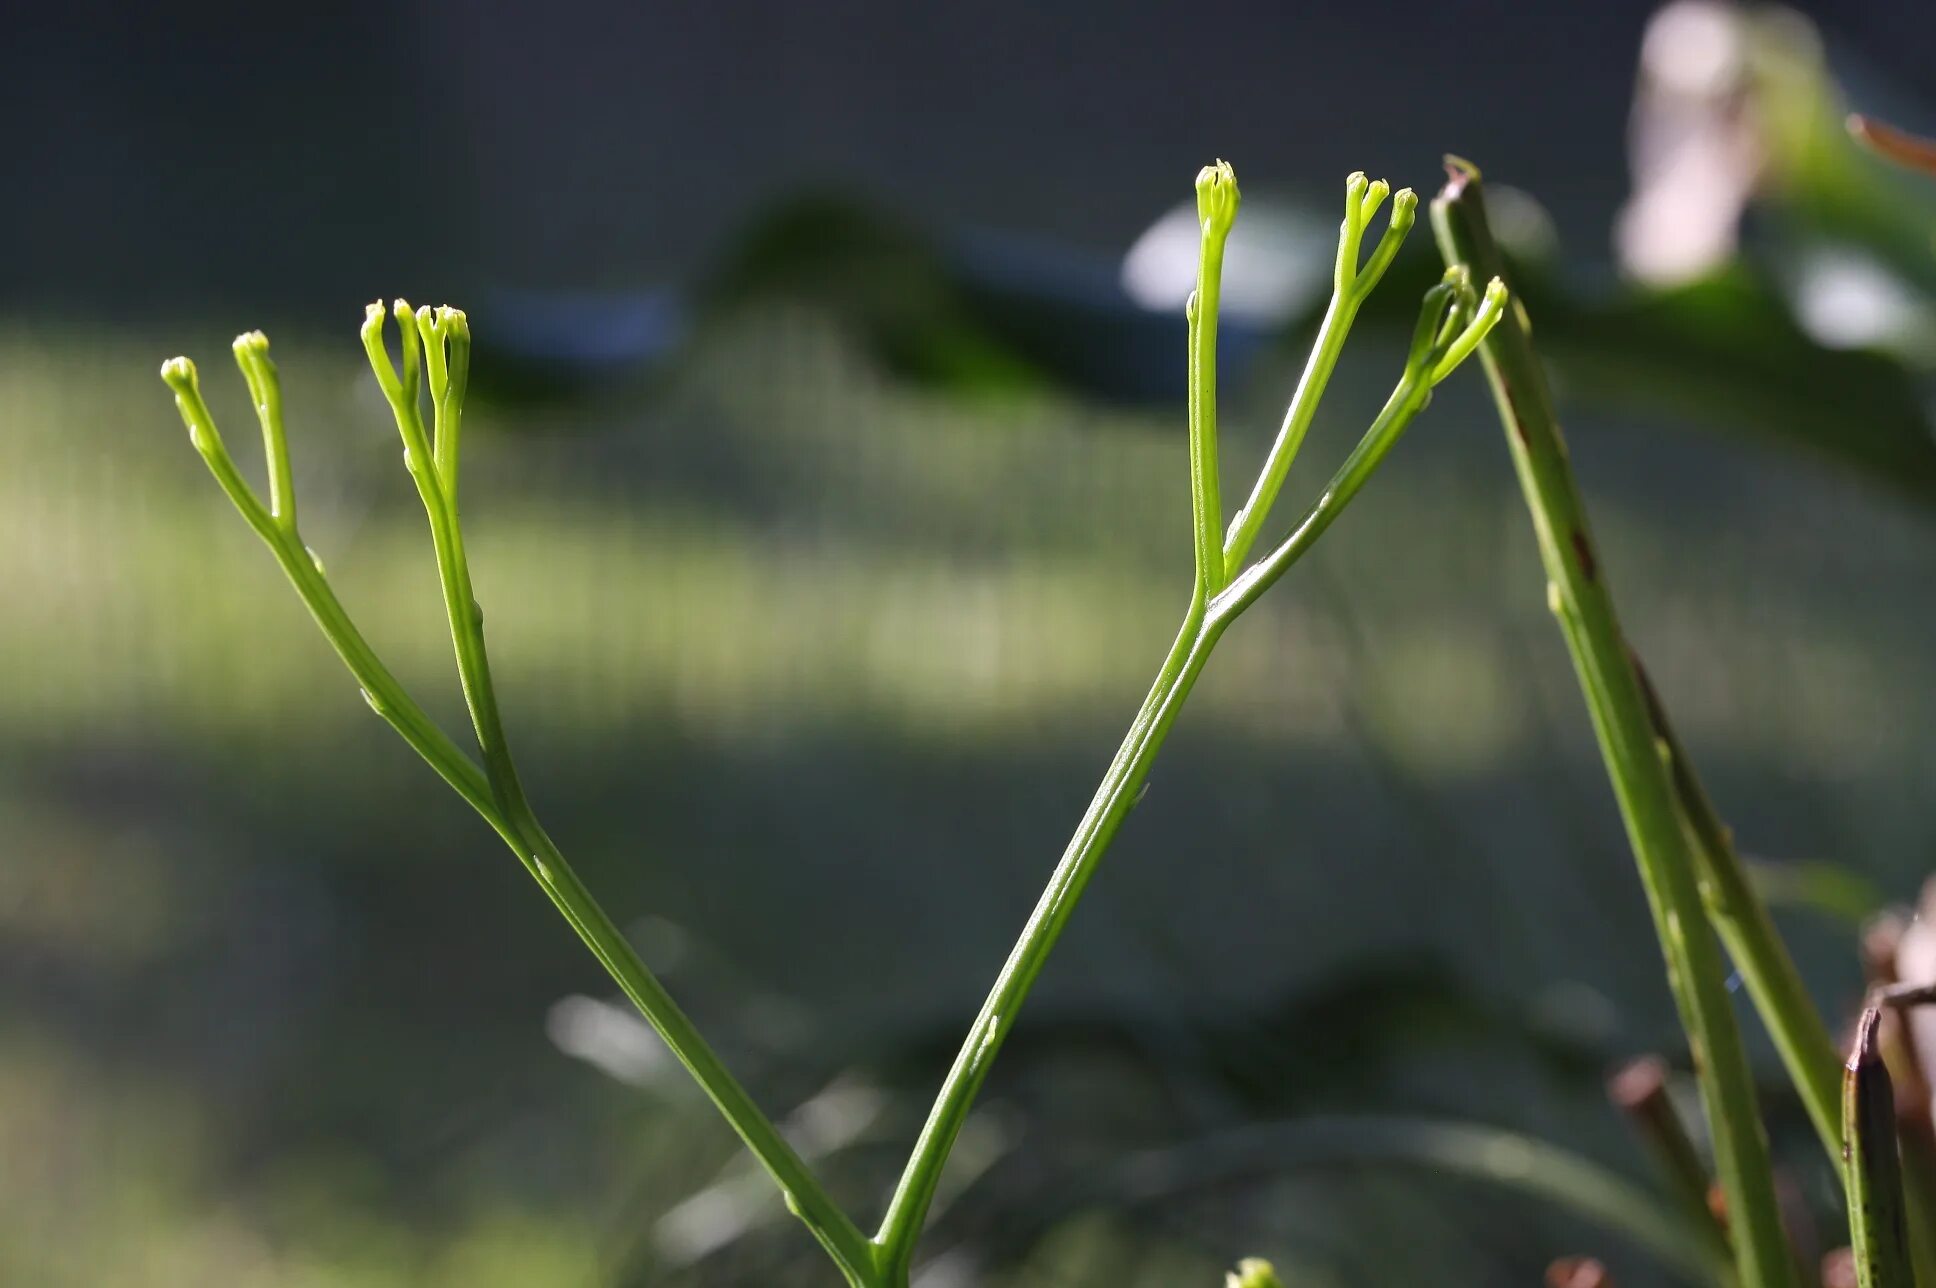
(1910,151)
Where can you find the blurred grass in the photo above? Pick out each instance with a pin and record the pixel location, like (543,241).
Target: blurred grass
(820,666)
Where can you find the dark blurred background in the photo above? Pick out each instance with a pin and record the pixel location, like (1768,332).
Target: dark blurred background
(826,488)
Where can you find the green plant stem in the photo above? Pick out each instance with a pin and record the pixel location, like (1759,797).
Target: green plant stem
(433,465)
(1877,1233)
(1351,285)
(381,689)
(1741,918)
(1445,329)
(1755,946)
(1249,521)
(1114,798)
(1216,207)
(806,1196)
(1451,324)
(1404,405)
(1580,600)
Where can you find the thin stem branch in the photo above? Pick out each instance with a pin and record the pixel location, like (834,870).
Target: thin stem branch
(265,392)
(1217,199)
(907,1210)
(1351,286)
(1579,597)
(1446,322)
(436,347)
(1755,946)
(1740,916)
(495,793)
(381,689)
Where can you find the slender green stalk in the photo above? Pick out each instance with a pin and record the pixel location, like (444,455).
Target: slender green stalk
(1217,200)
(304,569)
(1579,598)
(265,392)
(493,794)
(1450,326)
(908,1208)
(435,351)
(1740,916)
(1352,284)
(1873,1177)
(1435,354)
(1756,947)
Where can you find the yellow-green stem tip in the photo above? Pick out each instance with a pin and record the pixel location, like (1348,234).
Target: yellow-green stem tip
(1217,197)
(179,374)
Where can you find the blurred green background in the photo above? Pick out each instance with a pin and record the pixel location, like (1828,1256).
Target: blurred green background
(818,610)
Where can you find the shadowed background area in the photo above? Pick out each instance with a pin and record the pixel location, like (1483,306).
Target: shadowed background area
(826,488)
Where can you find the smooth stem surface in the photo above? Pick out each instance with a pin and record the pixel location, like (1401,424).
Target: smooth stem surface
(805,1195)
(1748,931)
(1217,200)
(1580,600)
(1114,798)
(1351,285)
(1445,327)
(433,464)
(1877,1222)
(436,345)
(1406,402)
(1740,916)
(1249,521)
(384,693)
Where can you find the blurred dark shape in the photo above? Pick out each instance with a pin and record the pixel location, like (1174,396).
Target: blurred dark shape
(878,276)
(542,344)
(1372,1017)
(987,315)
(1808,335)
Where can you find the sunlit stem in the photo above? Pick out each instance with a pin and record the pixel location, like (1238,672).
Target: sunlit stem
(1203,625)
(1217,200)
(492,792)
(1351,286)
(265,393)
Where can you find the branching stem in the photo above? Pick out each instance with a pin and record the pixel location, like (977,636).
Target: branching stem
(435,351)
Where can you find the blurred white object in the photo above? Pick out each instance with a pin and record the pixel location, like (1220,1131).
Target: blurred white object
(609,1037)
(743,1198)
(1847,299)
(1276,262)
(1692,142)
